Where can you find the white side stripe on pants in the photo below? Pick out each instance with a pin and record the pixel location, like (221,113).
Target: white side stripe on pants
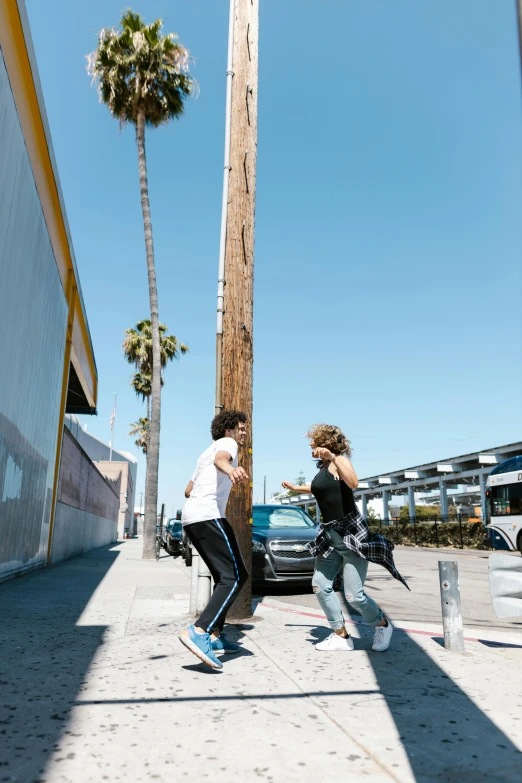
(218,523)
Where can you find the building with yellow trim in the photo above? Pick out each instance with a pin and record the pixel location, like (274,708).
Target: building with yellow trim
(47,359)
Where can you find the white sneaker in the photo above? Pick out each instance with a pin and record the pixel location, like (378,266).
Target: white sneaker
(382,637)
(335,642)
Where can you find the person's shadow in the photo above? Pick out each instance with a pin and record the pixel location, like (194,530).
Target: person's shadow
(446,736)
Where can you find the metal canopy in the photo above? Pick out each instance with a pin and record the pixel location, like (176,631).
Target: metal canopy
(439,474)
(77,401)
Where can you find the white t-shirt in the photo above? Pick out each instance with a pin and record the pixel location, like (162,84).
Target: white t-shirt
(209,496)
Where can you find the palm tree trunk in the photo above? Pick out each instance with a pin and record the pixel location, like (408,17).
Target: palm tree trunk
(151,481)
(146,456)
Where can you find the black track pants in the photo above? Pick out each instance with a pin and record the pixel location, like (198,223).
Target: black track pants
(215,541)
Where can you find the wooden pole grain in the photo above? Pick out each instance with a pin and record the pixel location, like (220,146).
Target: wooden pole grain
(237,346)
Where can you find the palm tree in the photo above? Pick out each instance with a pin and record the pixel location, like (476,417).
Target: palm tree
(142,385)
(140,429)
(143,78)
(137,349)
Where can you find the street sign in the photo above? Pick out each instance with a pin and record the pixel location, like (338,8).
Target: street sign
(505,584)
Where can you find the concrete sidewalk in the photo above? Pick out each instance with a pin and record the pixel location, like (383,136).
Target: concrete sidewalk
(97,687)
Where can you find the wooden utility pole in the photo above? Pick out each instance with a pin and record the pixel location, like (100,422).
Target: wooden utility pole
(235,391)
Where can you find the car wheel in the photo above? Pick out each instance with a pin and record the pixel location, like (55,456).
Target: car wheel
(519,542)
(188,557)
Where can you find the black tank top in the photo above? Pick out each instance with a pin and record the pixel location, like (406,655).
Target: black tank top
(335,498)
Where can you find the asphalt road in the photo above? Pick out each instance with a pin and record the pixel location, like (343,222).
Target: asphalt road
(420,569)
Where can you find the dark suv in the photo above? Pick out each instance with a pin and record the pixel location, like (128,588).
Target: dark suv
(280,535)
(172,537)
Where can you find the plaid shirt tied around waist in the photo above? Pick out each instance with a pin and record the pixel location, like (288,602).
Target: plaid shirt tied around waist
(355,534)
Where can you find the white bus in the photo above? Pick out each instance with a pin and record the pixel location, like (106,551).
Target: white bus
(504,495)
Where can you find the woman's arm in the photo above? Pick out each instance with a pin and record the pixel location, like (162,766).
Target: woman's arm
(189,489)
(346,471)
(297,487)
(342,463)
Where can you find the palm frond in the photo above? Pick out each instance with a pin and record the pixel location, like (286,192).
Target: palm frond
(140,428)
(137,69)
(137,347)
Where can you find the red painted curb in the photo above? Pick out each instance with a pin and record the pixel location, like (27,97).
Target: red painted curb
(433,634)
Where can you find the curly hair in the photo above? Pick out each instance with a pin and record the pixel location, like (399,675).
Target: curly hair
(328,436)
(226,420)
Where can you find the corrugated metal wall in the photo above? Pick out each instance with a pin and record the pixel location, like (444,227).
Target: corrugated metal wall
(33,315)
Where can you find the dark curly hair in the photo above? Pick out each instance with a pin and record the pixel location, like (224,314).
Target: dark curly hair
(226,420)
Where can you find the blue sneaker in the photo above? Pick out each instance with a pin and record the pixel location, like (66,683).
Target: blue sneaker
(223,645)
(201,646)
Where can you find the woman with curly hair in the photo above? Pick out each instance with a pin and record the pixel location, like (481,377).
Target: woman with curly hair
(343,541)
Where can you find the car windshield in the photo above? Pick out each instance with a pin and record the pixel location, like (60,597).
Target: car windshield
(280,517)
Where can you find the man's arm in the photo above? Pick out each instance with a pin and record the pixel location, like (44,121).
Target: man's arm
(222,463)
(189,489)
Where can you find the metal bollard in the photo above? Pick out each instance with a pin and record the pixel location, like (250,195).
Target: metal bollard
(450,601)
(194,584)
(204,586)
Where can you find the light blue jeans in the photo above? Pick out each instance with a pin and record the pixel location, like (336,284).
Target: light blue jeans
(354,573)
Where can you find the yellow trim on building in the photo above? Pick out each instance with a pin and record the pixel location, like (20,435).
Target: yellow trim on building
(72,299)
(16,56)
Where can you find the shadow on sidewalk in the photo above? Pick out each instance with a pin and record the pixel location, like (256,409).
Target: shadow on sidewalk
(44,658)
(445,735)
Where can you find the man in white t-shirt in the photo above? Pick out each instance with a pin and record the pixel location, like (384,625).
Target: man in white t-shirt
(204,521)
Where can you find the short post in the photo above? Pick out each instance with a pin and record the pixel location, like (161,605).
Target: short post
(450,601)
(204,581)
(460,529)
(437,533)
(161,518)
(194,584)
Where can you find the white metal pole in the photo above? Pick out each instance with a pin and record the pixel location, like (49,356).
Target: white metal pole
(203,589)
(193,606)
(113,416)
(204,586)
(224,209)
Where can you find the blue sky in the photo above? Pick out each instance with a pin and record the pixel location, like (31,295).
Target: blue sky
(388,226)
